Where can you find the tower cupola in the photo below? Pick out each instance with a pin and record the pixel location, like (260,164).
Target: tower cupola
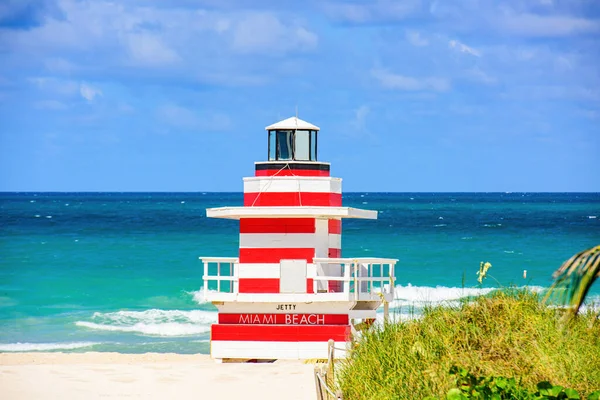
(292,140)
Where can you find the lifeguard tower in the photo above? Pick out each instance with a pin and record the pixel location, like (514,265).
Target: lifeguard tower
(290,291)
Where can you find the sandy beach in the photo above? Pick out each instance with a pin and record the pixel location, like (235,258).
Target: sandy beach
(148,376)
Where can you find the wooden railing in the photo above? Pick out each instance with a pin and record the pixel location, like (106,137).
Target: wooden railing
(325,376)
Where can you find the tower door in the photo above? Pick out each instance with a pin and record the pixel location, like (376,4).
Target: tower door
(293,276)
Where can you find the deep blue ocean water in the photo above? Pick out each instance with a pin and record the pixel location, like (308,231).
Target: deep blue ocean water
(120,271)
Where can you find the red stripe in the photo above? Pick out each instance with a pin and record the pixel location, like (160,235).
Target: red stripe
(290,199)
(266,285)
(335,287)
(271,255)
(310,286)
(335,226)
(287,172)
(335,253)
(284,319)
(277,225)
(278,333)
(259,285)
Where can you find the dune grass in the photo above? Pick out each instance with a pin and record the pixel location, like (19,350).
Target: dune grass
(508,333)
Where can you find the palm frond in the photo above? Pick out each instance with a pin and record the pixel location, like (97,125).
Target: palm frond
(574,278)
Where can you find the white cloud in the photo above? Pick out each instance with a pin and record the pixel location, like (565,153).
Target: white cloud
(178,116)
(563,63)
(446,9)
(233,79)
(529,18)
(478,75)
(463,48)
(156,40)
(591,114)
(372,11)
(529,24)
(416,39)
(88,92)
(360,117)
(186,119)
(562,92)
(117,32)
(59,65)
(55,85)
(125,108)
(53,105)
(400,82)
(265,33)
(306,37)
(150,49)
(526,62)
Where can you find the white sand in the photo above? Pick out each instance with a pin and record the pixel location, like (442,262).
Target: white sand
(148,376)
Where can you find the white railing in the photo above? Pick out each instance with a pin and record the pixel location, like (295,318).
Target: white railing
(230,276)
(353,279)
(363,279)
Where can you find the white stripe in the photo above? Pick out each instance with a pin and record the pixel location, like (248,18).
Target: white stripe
(290,212)
(318,298)
(292,184)
(322,245)
(277,240)
(266,270)
(311,270)
(335,241)
(273,350)
(270,307)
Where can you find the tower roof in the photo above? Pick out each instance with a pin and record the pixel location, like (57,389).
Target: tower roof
(292,123)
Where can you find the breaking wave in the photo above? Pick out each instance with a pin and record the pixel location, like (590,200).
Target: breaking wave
(45,346)
(153,322)
(419,296)
(198,295)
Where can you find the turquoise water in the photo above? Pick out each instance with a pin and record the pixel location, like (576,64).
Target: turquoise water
(120,271)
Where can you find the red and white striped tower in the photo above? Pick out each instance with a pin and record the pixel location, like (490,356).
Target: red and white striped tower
(289,291)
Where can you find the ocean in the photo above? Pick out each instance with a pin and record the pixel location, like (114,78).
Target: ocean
(120,271)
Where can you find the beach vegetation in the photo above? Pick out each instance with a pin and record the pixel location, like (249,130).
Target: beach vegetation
(470,386)
(574,279)
(483,269)
(509,333)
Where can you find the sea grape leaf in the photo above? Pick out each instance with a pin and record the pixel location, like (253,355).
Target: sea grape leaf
(545,388)
(572,394)
(455,394)
(501,383)
(556,390)
(594,395)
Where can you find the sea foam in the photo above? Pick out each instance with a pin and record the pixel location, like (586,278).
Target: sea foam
(44,346)
(153,322)
(198,295)
(419,296)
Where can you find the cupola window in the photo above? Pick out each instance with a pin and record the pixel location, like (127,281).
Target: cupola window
(298,145)
(284,145)
(302,145)
(313,145)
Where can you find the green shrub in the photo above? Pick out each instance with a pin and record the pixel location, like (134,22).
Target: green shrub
(510,334)
(469,386)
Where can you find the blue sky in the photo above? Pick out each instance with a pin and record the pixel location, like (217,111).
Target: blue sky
(414,95)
